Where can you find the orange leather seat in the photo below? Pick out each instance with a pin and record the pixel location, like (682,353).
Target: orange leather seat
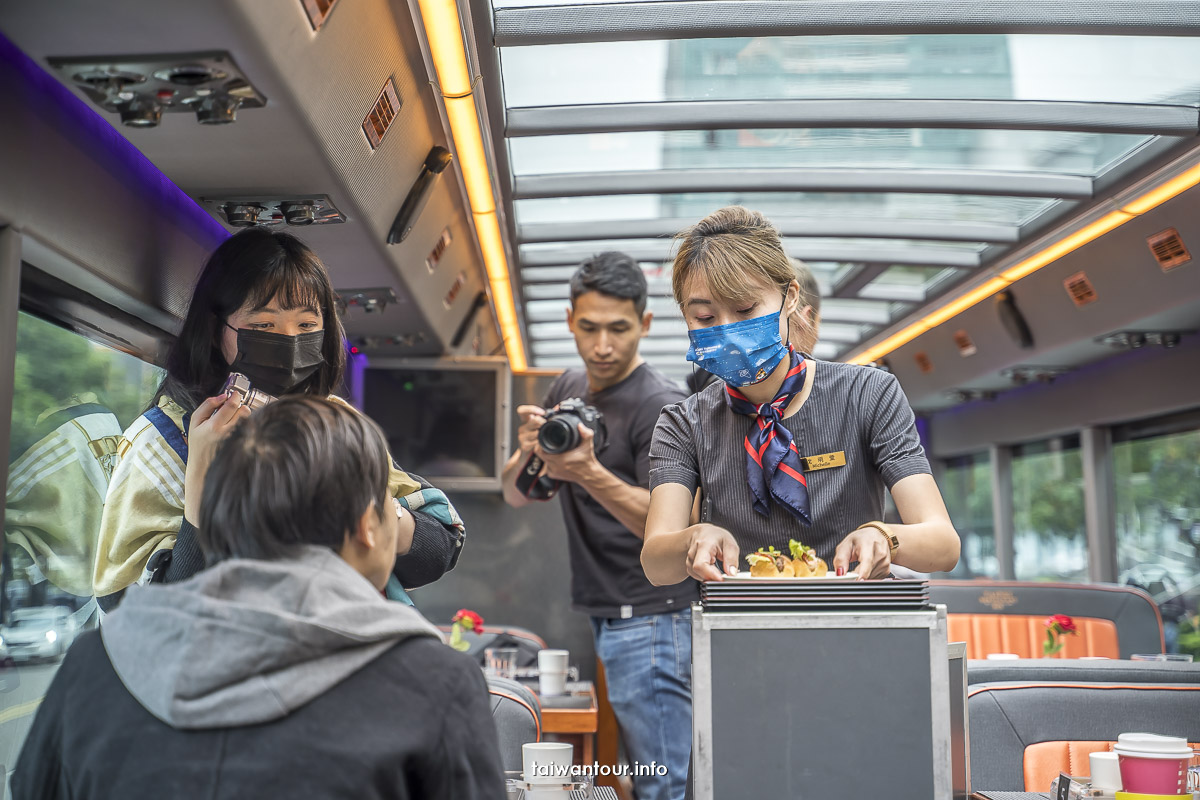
(1008,617)
(1023,734)
(1044,761)
(1024,634)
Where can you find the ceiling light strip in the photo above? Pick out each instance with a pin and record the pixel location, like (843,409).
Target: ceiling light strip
(443,30)
(1067,244)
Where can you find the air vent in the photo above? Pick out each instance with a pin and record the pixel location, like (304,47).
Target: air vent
(1080,288)
(452,295)
(317,11)
(142,88)
(369,300)
(245,212)
(966,347)
(435,255)
(923,362)
(1168,249)
(376,125)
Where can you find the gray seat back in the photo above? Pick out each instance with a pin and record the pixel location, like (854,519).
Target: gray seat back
(1008,717)
(518,718)
(1070,670)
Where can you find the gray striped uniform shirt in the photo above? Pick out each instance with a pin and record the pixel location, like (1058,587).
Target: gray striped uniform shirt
(860,411)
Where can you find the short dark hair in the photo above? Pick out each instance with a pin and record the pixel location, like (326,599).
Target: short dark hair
(251,267)
(300,471)
(614,274)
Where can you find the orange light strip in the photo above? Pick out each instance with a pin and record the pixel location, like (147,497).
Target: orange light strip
(444,32)
(1048,255)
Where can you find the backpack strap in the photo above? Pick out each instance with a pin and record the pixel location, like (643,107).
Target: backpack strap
(159,419)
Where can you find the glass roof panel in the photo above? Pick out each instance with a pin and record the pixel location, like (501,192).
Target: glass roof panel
(1088,154)
(1116,69)
(908,283)
(861,250)
(820,205)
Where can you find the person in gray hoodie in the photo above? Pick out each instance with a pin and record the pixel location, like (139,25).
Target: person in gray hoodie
(281,670)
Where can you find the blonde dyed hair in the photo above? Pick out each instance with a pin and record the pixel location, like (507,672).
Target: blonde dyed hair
(736,251)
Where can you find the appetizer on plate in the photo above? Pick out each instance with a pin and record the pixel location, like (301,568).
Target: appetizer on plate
(768,562)
(805,563)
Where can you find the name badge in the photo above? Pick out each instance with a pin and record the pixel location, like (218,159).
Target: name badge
(824,461)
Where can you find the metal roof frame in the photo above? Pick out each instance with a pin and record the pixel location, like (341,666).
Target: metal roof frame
(698,19)
(1127,118)
(680,181)
(939,230)
(660,250)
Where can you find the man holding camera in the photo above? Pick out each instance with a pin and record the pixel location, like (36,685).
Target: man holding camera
(601,471)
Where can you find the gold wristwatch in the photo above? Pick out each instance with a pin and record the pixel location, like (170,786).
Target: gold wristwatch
(893,542)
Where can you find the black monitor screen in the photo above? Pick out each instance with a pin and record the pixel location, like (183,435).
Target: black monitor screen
(440,423)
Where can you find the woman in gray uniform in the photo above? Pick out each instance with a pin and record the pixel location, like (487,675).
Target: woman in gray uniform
(783,447)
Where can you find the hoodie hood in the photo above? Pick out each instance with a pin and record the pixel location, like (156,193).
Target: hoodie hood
(246,641)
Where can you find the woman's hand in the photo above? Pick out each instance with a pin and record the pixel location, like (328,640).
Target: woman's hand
(868,547)
(211,422)
(710,544)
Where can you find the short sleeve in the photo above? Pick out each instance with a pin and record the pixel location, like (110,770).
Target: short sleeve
(673,449)
(892,437)
(641,431)
(555,393)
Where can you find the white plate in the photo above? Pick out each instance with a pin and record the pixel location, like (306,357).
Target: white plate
(746,576)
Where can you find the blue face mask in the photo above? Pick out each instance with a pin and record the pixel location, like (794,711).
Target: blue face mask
(740,353)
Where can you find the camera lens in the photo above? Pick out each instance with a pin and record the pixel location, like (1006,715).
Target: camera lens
(559,434)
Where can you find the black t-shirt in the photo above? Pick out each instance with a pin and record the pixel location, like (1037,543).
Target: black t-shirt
(607,579)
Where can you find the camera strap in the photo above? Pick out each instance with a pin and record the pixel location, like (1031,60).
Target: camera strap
(532,483)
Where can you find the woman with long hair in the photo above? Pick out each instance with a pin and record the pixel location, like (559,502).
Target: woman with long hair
(263,307)
(783,446)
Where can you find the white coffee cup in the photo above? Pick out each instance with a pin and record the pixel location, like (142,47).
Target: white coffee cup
(1003,657)
(552,683)
(552,660)
(547,762)
(1106,771)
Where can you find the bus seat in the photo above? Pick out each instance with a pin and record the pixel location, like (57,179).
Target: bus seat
(518,718)
(1044,761)
(527,642)
(1072,671)
(1007,617)
(1023,732)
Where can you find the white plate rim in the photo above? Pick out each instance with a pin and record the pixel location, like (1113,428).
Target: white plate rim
(746,576)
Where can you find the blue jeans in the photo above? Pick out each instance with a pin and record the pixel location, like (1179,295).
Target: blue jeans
(648,667)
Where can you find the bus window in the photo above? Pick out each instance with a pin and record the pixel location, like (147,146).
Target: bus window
(966,485)
(1049,534)
(72,399)
(1157,481)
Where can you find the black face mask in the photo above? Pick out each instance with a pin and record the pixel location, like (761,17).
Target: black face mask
(276,362)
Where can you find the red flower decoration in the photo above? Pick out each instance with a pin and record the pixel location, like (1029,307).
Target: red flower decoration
(469,619)
(1056,626)
(1062,623)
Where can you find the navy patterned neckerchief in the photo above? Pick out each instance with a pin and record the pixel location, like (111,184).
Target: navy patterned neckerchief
(773,467)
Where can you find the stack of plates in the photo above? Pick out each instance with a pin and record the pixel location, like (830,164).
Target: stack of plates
(813,594)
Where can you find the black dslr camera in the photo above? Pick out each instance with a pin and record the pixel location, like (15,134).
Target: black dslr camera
(559,434)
